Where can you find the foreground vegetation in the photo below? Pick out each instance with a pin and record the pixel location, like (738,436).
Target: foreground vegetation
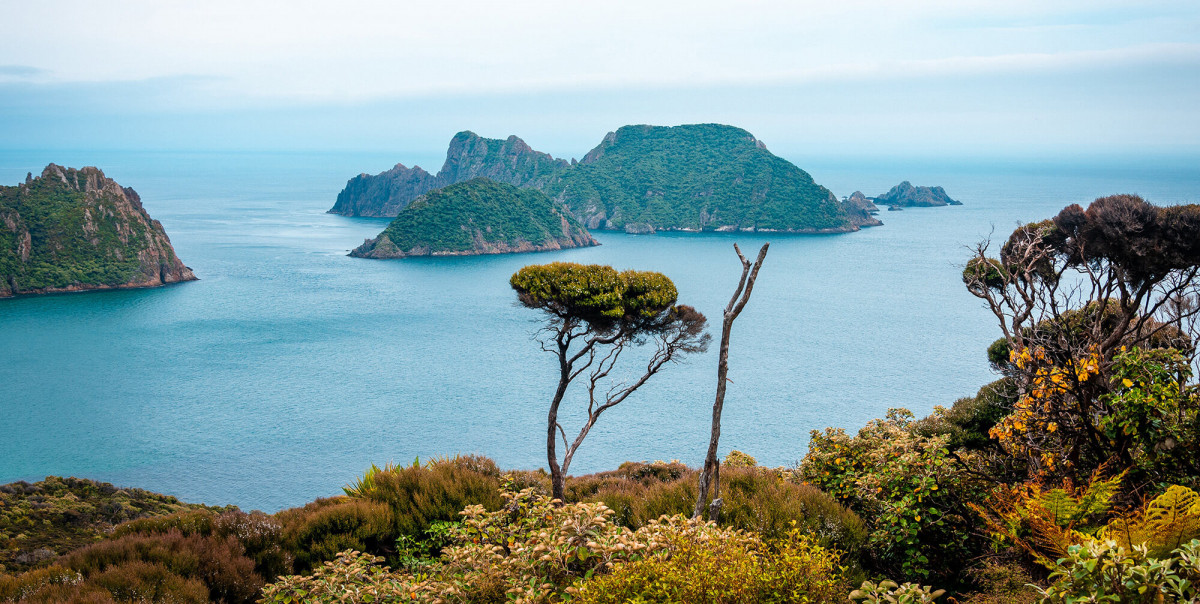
(1072,478)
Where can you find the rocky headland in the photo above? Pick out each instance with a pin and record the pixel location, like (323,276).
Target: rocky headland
(74,230)
(479,216)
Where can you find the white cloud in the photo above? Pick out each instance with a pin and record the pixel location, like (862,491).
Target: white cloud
(363,49)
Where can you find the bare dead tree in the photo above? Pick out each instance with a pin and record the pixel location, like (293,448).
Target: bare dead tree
(711,474)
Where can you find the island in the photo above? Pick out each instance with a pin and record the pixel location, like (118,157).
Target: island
(640,179)
(905,195)
(479,216)
(73,230)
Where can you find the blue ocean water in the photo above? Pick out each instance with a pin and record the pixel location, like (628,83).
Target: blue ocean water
(290,367)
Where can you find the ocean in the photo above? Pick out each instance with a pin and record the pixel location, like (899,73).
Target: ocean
(289,367)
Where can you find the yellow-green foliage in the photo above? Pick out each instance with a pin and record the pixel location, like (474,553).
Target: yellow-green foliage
(1166,523)
(351,577)
(737,459)
(698,562)
(755,499)
(532,550)
(595,293)
(889,592)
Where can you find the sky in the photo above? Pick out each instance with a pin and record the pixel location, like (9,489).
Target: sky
(853,77)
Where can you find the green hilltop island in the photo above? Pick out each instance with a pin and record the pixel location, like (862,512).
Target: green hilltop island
(74,230)
(479,216)
(640,179)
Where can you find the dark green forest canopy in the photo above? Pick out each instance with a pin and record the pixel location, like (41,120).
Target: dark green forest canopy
(478,216)
(703,176)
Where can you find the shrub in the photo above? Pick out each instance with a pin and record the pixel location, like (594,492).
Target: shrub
(351,573)
(218,564)
(737,459)
(891,593)
(139,581)
(438,491)
(1103,571)
(755,499)
(261,535)
(698,562)
(910,491)
(320,530)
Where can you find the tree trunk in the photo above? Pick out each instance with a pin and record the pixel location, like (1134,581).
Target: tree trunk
(732,310)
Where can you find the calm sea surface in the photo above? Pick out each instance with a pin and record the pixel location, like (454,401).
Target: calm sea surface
(290,367)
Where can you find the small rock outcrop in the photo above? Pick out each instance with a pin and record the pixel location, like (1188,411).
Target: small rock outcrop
(905,195)
(74,230)
(861,202)
(480,216)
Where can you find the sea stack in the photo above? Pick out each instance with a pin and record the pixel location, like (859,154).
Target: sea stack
(75,230)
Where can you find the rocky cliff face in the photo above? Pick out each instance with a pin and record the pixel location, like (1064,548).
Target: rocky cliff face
(479,216)
(905,195)
(469,156)
(74,230)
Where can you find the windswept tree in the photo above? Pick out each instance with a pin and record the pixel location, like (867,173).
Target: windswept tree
(1078,298)
(594,314)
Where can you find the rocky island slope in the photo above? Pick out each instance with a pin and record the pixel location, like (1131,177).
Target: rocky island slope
(468,156)
(698,177)
(480,216)
(74,230)
(639,179)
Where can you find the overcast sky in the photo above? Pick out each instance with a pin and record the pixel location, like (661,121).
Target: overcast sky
(889,76)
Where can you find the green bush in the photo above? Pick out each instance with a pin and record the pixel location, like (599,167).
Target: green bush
(755,499)
(912,494)
(1102,571)
(320,530)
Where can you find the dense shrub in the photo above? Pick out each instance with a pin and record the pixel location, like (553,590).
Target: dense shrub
(259,534)
(532,550)
(166,567)
(910,491)
(321,529)
(218,563)
(967,423)
(697,562)
(1103,571)
(755,499)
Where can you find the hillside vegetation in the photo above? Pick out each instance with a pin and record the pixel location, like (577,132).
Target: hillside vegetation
(479,216)
(639,178)
(70,230)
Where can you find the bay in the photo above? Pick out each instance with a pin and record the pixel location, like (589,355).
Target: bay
(290,367)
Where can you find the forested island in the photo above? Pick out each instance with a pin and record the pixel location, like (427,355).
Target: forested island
(479,216)
(639,179)
(73,230)
(1073,477)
